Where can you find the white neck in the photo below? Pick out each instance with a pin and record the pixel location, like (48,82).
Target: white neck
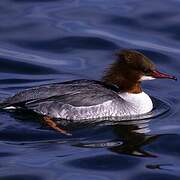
(139,103)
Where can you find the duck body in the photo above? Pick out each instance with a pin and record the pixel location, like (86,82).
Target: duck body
(80,99)
(119,94)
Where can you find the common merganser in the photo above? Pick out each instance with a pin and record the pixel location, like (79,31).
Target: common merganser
(118,94)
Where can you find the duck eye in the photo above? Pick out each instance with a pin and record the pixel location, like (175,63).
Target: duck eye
(146,71)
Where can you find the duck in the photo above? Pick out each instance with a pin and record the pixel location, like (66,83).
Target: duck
(117,94)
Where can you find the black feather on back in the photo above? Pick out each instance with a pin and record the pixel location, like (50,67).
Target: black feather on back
(76,93)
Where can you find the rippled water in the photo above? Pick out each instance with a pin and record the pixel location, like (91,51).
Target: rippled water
(45,41)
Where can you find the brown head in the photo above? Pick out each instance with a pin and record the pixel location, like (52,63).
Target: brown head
(130,69)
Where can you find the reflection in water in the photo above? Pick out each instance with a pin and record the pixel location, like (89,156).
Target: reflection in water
(159,166)
(130,138)
(134,139)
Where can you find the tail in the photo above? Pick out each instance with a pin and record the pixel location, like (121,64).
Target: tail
(3,104)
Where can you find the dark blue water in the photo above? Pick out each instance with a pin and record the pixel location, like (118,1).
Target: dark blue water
(46,41)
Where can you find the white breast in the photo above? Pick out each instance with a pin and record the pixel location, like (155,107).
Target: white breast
(139,103)
(134,104)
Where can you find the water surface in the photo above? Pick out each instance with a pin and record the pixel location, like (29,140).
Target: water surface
(46,41)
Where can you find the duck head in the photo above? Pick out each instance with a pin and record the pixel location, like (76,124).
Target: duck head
(130,69)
